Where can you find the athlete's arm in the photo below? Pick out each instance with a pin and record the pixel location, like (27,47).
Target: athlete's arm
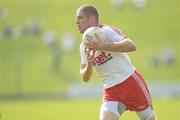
(86,69)
(125,45)
(85,72)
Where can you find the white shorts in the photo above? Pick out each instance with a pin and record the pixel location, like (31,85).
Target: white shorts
(118,108)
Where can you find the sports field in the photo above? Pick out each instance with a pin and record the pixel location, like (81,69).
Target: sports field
(77,110)
(26,62)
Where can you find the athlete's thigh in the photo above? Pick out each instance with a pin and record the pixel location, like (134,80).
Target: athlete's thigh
(111,110)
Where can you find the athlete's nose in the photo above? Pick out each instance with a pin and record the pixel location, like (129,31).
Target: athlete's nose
(77,21)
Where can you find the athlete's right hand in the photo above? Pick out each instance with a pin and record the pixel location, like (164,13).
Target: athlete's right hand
(90,56)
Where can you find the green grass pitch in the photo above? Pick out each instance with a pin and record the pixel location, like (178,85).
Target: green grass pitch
(166,109)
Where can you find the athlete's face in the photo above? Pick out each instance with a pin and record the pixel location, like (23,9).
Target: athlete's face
(82,21)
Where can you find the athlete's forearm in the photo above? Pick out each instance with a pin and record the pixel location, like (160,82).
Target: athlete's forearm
(125,45)
(86,72)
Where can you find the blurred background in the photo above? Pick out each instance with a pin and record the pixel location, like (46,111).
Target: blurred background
(39,57)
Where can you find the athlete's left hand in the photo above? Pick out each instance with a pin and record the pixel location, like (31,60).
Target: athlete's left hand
(96,44)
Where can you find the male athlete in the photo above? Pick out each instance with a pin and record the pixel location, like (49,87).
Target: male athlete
(124,88)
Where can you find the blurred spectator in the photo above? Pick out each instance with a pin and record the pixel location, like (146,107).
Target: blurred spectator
(169,56)
(118,4)
(7,31)
(50,41)
(68,41)
(139,4)
(21,31)
(17,33)
(3,13)
(24,29)
(36,26)
(155,62)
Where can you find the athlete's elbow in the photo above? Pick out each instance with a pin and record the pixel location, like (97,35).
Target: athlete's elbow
(83,77)
(86,80)
(133,48)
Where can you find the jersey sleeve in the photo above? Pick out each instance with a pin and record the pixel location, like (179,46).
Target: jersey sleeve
(82,54)
(114,34)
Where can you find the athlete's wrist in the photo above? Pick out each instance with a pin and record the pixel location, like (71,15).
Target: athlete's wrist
(107,46)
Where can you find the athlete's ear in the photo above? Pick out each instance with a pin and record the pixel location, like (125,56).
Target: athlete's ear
(92,19)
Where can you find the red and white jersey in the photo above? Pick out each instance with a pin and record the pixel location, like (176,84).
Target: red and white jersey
(113,67)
